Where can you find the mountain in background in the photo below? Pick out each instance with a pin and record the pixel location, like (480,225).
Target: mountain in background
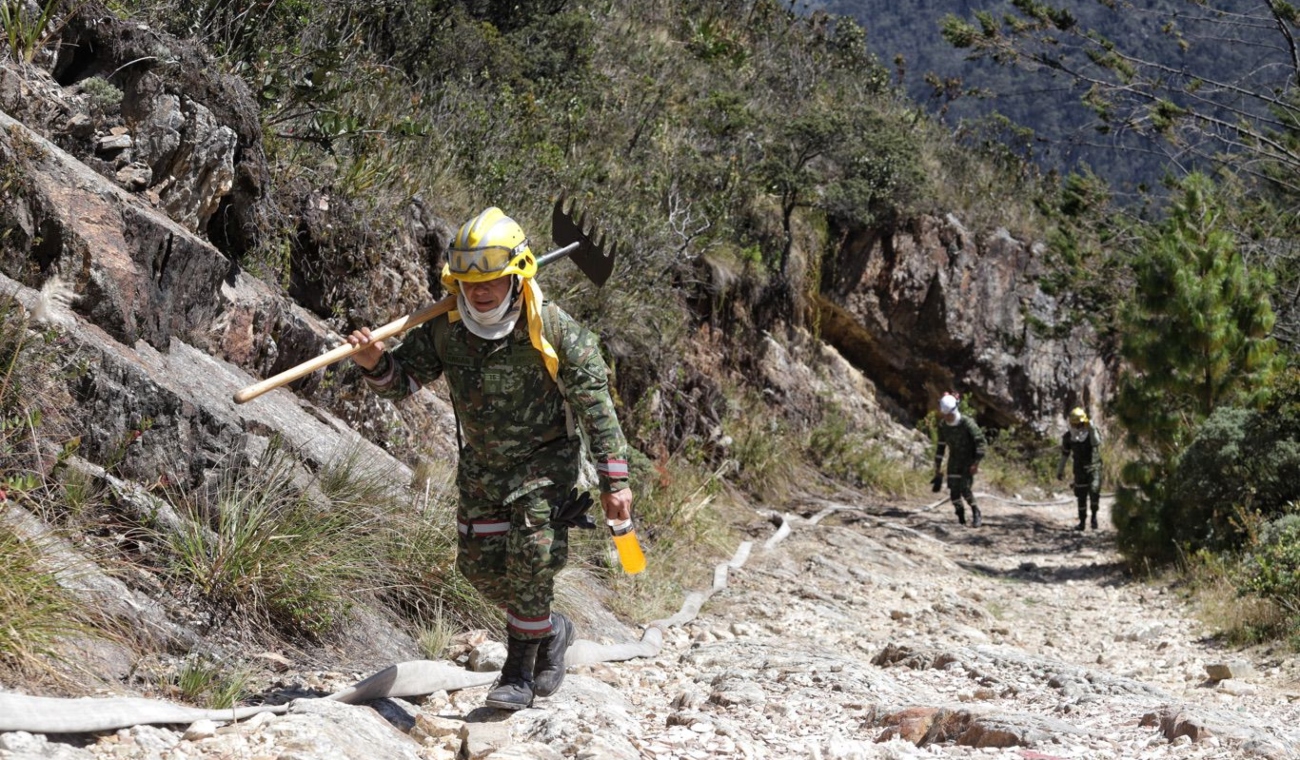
(1229,42)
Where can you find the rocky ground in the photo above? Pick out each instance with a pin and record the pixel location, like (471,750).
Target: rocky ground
(864,631)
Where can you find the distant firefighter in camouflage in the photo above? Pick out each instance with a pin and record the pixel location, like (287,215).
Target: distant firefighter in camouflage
(1082,443)
(522,373)
(963,441)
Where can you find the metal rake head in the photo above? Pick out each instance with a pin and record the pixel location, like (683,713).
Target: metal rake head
(590,255)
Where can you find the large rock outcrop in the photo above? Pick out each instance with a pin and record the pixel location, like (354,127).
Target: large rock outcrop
(162,318)
(935,307)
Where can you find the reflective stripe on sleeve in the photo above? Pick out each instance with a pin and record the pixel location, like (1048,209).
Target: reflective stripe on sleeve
(613,468)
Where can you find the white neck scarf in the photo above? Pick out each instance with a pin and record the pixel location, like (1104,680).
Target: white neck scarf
(490,325)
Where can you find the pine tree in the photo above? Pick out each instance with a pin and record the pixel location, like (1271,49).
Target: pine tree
(1196,336)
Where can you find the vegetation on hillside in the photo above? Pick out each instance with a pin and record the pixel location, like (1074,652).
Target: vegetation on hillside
(706,136)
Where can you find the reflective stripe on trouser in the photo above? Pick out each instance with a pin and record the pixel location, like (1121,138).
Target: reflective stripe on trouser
(1087,493)
(959,489)
(515,569)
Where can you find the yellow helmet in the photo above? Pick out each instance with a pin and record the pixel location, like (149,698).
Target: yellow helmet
(1078,416)
(489,246)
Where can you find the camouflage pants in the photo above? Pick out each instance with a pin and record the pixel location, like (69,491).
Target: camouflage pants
(511,554)
(1087,489)
(959,490)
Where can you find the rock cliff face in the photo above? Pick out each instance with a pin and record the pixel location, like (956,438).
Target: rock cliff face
(163,317)
(935,307)
(144,193)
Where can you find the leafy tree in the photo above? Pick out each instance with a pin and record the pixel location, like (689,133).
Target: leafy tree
(1087,257)
(840,148)
(1196,337)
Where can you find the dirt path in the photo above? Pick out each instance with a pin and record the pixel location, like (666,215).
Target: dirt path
(1024,638)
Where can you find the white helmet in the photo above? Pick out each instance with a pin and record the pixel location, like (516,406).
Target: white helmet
(947,404)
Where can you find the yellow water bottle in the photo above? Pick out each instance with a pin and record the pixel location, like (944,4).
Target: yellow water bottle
(629,549)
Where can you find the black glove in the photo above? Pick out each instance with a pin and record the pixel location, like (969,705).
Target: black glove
(571,511)
(937,483)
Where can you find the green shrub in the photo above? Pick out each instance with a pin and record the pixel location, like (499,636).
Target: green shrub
(1241,462)
(1213,582)
(1272,569)
(103,95)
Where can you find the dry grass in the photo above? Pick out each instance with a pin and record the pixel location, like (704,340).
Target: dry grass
(436,635)
(1241,619)
(37,616)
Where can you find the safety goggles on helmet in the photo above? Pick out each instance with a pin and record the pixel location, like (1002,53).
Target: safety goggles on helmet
(493,259)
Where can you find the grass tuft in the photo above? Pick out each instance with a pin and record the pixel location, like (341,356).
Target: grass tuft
(259,548)
(211,683)
(36,613)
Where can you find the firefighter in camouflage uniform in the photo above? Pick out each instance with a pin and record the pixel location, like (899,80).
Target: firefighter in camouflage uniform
(963,441)
(1082,443)
(521,373)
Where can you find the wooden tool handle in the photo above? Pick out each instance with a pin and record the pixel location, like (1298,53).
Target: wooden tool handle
(396,327)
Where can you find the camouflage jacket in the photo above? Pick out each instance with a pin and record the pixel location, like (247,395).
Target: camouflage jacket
(1086,453)
(516,424)
(965,442)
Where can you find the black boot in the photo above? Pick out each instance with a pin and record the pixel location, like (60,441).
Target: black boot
(1083,518)
(975,519)
(548,672)
(1094,519)
(961,514)
(514,689)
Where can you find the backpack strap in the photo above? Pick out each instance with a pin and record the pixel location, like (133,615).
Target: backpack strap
(551,329)
(438,330)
